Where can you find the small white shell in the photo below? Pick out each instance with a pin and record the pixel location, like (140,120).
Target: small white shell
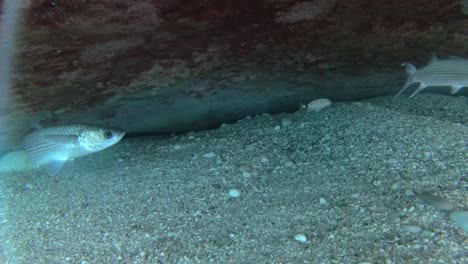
(317,105)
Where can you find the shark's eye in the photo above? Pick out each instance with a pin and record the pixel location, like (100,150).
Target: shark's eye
(108,134)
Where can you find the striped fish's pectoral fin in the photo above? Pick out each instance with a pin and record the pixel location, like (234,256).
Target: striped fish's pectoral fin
(455,88)
(419,89)
(408,84)
(38,148)
(56,167)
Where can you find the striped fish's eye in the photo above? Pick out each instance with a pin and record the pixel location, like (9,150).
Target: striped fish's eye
(108,134)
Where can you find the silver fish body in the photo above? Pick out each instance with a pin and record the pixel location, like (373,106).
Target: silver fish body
(451,72)
(55,146)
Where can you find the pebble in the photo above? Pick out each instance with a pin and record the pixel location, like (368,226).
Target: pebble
(209,155)
(245,168)
(277,128)
(322,201)
(428,234)
(438,202)
(246,174)
(177,147)
(300,238)
(460,218)
(264,160)
(412,229)
(234,193)
(285,122)
(250,147)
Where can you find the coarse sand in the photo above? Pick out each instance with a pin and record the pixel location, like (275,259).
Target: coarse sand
(352,181)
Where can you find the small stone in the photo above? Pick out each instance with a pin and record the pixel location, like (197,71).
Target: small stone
(246,174)
(234,193)
(412,229)
(250,147)
(277,128)
(322,201)
(177,147)
(264,160)
(428,234)
(209,155)
(288,164)
(460,218)
(409,193)
(300,238)
(245,168)
(438,202)
(285,122)
(427,155)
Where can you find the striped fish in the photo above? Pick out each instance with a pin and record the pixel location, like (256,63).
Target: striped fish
(451,72)
(59,145)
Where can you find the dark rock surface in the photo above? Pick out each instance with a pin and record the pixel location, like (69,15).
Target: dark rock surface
(159,66)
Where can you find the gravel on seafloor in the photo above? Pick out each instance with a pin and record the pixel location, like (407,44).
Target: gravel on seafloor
(358,182)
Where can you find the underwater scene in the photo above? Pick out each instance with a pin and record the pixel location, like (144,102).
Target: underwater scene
(228,131)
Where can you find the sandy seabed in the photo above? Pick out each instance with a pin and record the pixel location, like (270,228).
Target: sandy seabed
(354,179)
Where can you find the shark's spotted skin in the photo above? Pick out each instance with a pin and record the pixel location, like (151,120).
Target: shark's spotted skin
(451,72)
